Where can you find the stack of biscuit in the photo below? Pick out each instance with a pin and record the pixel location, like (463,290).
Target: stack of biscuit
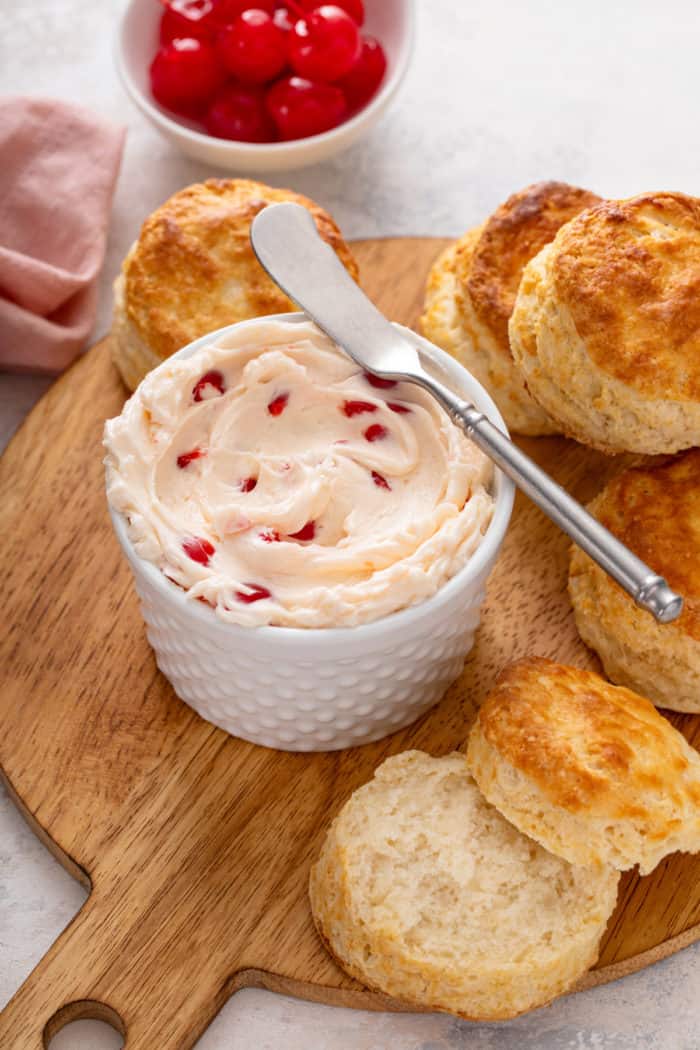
(582,316)
(472,289)
(606,325)
(482,885)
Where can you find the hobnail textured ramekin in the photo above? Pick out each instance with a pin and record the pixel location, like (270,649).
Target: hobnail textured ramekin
(390,21)
(322,689)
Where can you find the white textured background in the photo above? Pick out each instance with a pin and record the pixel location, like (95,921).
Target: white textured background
(501,92)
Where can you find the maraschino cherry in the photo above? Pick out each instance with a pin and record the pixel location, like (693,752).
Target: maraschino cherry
(227,11)
(283,19)
(188,18)
(239,112)
(325,44)
(360,84)
(301,108)
(355,8)
(253,48)
(185,74)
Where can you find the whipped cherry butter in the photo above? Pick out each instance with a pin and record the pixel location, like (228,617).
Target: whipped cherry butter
(270,478)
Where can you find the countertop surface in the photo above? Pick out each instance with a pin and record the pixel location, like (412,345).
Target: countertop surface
(499,94)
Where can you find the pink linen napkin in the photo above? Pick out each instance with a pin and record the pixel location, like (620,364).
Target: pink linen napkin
(58,168)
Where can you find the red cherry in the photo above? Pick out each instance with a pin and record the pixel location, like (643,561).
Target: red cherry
(278,404)
(283,19)
(211,384)
(270,536)
(325,45)
(255,594)
(360,84)
(198,549)
(253,48)
(400,409)
(187,18)
(356,408)
(239,113)
(187,457)
(247,484)
(381,384)
(306,533)
(380,481)
(376,432)
(301,108)
(185,74)
(355,8)
(227,11)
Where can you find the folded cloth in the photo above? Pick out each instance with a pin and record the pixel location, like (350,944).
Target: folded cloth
(58,168)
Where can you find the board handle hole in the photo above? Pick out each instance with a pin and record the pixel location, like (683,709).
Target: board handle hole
(85,1025)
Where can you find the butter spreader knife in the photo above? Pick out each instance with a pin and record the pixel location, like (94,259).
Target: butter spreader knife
(288,246)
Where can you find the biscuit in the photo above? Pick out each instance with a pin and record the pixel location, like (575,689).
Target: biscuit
(655,510)
(425,892)
(193,270)
(606,325)
(590,770)
(472,288)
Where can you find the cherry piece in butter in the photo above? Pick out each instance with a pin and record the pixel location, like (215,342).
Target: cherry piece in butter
(199,549)
(211,384)
(255,594)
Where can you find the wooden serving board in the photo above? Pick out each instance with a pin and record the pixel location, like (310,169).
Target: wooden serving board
(196,846)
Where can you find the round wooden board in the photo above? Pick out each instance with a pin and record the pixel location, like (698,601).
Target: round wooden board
(196,845)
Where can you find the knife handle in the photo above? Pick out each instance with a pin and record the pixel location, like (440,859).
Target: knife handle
(649,590)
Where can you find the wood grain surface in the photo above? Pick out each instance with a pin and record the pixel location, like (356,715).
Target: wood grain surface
(196,845)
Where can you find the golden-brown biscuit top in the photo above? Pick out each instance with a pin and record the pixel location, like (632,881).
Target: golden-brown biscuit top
(655,511)
(629,272)
(590,746)
(513,235)
(193,270)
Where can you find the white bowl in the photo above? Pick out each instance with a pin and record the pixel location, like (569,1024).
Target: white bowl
(326,688)
(391,21)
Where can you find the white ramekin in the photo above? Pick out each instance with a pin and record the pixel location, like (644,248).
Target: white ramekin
(391,21)
(327,688)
